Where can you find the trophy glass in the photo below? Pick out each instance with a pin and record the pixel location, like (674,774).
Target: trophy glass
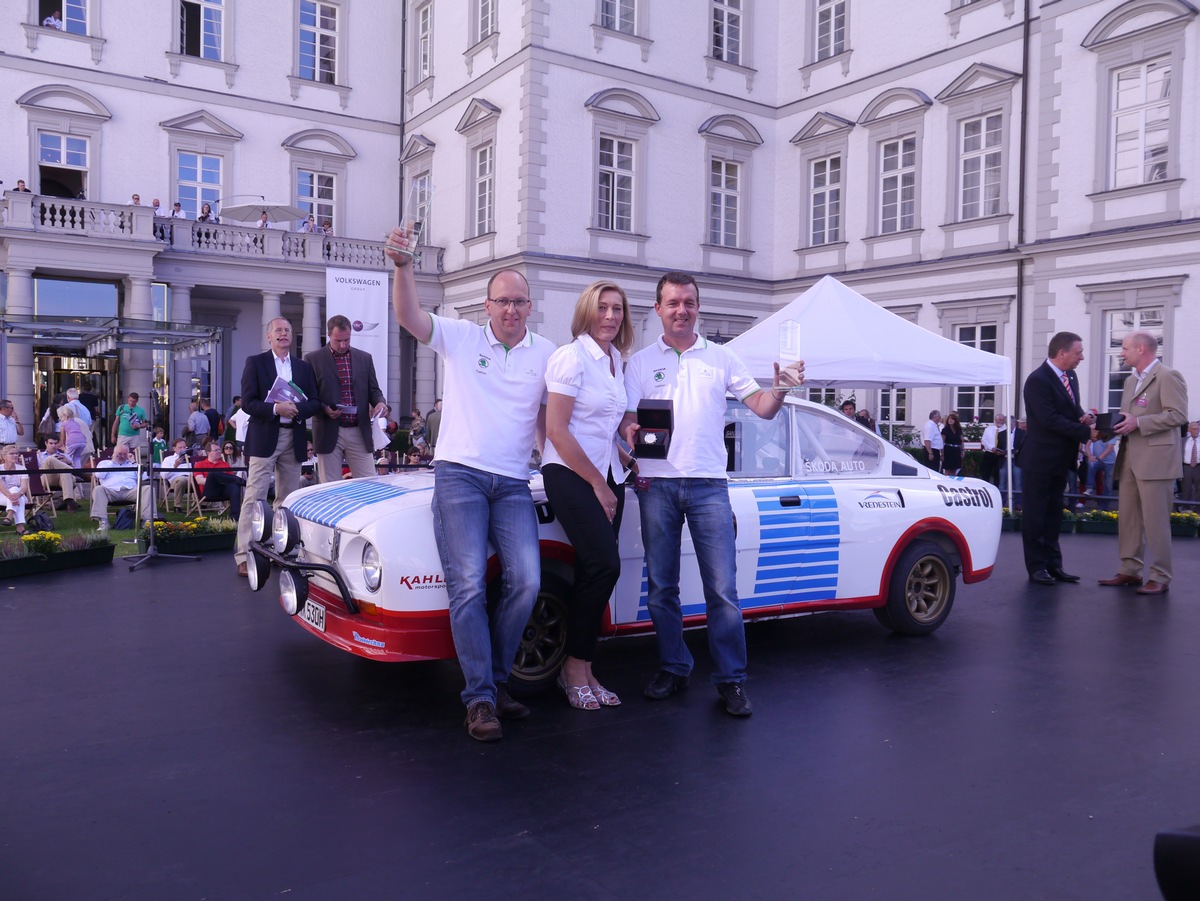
(413,215)
(789,345)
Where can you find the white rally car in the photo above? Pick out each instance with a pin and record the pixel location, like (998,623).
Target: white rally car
(828,517)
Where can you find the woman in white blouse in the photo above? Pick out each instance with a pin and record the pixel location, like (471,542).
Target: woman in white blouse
(582,472)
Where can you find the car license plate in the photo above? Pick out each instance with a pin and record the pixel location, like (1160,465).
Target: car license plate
(314,614)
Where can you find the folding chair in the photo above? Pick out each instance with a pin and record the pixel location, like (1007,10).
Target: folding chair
(40,495)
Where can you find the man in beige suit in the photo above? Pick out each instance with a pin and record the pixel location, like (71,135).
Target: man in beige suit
(1148,463)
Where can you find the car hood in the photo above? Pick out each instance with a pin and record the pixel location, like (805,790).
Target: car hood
(353,504)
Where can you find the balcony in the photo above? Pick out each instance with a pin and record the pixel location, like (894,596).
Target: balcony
(138,227)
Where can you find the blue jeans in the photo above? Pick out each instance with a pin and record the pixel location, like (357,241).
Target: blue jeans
(704,503)
(471,508)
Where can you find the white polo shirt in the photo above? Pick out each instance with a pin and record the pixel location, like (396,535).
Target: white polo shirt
(697,381)
(582,370)
(932,432)
(492,396)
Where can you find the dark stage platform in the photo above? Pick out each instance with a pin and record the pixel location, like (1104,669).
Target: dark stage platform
(169,734)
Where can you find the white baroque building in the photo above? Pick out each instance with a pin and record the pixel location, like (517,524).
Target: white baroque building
(994,170)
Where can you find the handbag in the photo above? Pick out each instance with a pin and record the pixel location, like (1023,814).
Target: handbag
(46,428)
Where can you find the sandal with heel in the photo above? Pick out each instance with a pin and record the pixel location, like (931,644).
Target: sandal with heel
(605,697)
(578,696)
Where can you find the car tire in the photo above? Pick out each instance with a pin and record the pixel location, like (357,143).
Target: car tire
(544,642)
(921,591)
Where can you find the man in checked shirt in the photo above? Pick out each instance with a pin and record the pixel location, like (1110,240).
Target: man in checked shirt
(350,399)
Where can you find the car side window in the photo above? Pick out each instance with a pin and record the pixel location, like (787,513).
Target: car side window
(829,445)
(757,448)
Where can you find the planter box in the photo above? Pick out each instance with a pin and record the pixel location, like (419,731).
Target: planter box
(193,544)
(1098,527)
(1009,524)
(1067,526)
(38,565)
(1183,530)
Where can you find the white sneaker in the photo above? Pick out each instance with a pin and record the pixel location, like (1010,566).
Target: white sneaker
(102,525)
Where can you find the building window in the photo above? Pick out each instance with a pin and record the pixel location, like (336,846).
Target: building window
(980,165)
(484,20)
(1118,324)
(200,29)
(484,196)
(316,193)
(62,165)
(614,202)
(825,201)
(422,197)
(727,31)
(898,185)
(619,15)
(318,41)
(831,28)
(724,202)
(1141,123)
(197,181)
(72,13)
(825,396)
(976,401)
(893,407)
(424,49)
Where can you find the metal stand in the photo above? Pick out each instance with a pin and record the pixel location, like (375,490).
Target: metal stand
(151,545)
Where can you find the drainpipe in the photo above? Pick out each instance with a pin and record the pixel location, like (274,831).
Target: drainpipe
(1022,176)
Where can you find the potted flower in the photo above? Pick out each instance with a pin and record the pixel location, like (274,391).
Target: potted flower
(1068,521)
(190,536)
(1098,522)
(1011,521)
(43,552)
(1185,525)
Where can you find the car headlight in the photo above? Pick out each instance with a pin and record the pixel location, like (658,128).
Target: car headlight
(259,570)
(372,569)
(260,521)
(285,532)
(293,591)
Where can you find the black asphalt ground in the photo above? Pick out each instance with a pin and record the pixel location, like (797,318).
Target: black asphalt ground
(167,734)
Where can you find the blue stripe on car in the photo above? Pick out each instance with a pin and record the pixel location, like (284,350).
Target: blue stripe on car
(332,506)
(799,551)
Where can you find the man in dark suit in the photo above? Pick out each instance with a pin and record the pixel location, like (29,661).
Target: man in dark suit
(1057,425)
(1155,403)
(276,438)
(350,399)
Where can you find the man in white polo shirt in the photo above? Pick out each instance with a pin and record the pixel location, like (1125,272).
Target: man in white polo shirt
(495,399)
(691,484)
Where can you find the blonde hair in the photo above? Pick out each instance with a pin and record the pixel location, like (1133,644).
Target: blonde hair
(66,412)
(586,313)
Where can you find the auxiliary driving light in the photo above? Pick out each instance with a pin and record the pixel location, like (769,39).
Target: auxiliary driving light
(259,570)
(260,521)
(285,531)
(293,591)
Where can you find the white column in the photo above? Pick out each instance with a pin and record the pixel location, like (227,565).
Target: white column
(182,370)
(270,310)
(312,322)
(136,365)
(19,357)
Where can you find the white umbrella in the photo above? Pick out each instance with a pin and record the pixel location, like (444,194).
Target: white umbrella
(252,212)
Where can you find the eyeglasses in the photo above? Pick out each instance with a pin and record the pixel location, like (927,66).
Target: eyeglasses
(518,303)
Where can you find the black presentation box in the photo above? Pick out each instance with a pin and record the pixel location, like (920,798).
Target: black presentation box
(655,419)
(1106,421)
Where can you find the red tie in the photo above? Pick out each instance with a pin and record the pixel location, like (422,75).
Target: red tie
(1067,384)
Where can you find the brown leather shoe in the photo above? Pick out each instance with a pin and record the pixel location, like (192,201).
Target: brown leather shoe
(1120,580)
(242,571)
(1153,587)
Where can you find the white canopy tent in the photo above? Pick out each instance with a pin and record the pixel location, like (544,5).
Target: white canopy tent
(846,339)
